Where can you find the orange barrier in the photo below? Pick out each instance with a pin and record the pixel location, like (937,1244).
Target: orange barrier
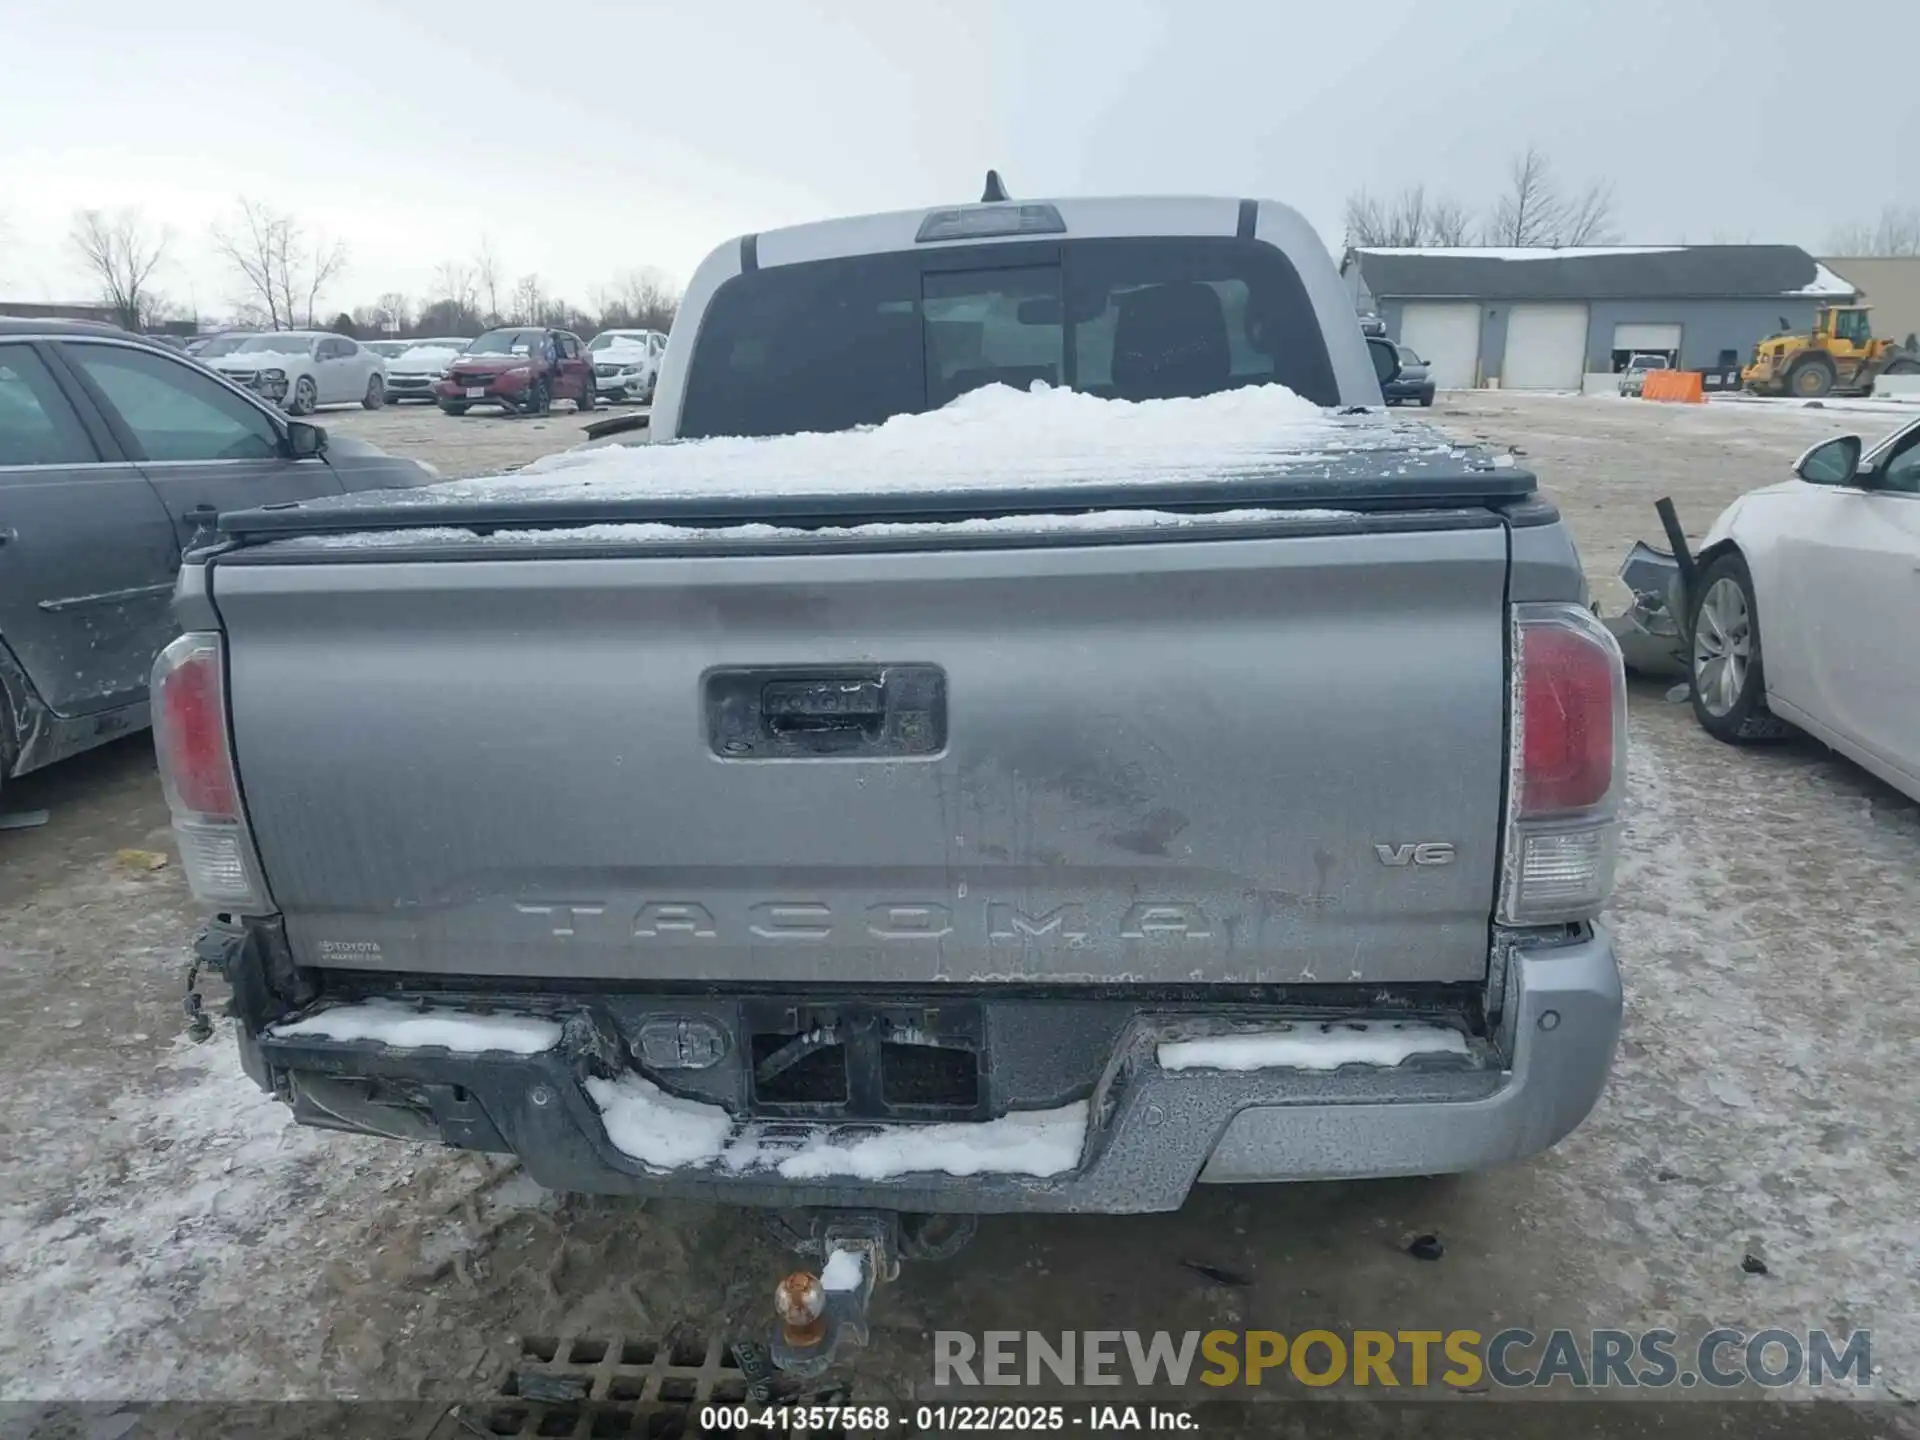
(1680,385)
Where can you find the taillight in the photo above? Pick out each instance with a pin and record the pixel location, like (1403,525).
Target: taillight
(188,698)
(1566,720)
(1569,766)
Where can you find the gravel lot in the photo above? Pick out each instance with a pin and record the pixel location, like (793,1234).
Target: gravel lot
(164,1233)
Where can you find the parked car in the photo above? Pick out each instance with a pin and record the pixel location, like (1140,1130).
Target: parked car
(302,369)
(1801,611)
(1633,379)
(413,373)
(626,363)
(211,347)
(1414,382)
(853,821)
(115,452)
(522,368)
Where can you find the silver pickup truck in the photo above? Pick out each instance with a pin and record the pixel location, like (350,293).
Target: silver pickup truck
(1116,774)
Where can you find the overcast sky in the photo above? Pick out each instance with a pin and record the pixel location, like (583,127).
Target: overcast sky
(588,139)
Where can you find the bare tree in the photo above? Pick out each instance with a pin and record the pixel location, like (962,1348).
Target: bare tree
(121,253)
(641,299)
(1587,219)
(1529,213)
(1448,223)
(324,263)
(487,266)
(455,304)
(276,266)
(1535,211)
(258,248)
(397,310)
(1408,218)
(528,301)
(1896,233)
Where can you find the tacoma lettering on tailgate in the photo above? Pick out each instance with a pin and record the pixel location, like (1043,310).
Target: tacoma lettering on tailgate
(678,922)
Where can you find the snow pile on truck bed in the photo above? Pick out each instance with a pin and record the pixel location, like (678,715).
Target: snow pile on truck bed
(667,1132)
(992,438)
(1314,1047)
(990,442)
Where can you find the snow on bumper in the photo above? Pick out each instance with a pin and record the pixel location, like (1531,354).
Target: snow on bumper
(1146,1136)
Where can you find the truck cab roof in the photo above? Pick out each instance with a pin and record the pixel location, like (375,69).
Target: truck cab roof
(904,275)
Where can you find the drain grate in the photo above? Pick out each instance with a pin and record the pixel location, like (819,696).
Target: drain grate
(615,1387)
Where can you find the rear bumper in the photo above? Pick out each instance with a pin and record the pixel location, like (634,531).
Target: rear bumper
(1152,1133)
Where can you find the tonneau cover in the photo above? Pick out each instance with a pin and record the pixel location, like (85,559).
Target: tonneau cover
(995,452)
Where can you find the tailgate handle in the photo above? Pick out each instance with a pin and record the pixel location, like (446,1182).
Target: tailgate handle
(795,709)
(880,712)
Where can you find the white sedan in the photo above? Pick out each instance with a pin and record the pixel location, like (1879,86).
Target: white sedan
(301,369)
(626,363)
(1806,608)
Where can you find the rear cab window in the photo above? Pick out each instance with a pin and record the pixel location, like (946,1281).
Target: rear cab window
(832,344)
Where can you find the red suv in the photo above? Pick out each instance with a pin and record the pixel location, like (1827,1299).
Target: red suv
(523,368)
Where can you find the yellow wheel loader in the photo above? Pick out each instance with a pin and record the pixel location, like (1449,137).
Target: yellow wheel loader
(1841,355)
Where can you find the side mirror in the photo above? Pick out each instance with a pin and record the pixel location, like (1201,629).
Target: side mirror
(304,441)
(1831,462)
(1386,357)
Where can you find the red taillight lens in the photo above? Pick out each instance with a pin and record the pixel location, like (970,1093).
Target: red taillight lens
(1566,722)
(190,730)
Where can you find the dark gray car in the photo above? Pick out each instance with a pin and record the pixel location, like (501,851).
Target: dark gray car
(113,452)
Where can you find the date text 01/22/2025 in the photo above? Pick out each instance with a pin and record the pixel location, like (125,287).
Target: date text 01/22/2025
(946,1419)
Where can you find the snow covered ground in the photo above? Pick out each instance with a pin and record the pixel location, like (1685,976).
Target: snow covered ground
(164,1232)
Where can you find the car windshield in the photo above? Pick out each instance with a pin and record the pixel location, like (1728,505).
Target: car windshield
(282,344)
(504,342)
(1407,357)
(390,347)
(607,339)
(1649,362)
(225,345)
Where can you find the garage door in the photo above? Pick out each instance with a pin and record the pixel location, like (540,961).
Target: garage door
(1647,339)
(1546,347)
(1447,337)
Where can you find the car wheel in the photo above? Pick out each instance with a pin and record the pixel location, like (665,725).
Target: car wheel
(376,395)
(538,401)
(304,398)
(1729,684)
(589,397)
(452,407)
(1426,400)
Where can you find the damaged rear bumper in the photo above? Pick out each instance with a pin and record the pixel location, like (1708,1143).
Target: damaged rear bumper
(1150,1132)
(1648,630)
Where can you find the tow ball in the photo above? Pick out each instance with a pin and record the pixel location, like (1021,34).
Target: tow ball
(817,1313)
